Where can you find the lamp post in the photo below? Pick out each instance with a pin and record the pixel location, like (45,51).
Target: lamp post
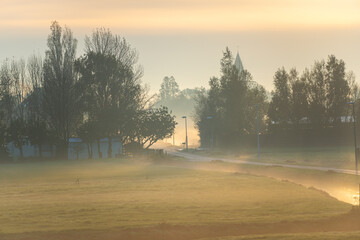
(186,139)
(212,132)
(258,130)
(354,122)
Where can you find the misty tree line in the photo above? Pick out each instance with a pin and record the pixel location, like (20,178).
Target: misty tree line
(228,109)
(94,96)
(181,102)
(318,97)
(316,100)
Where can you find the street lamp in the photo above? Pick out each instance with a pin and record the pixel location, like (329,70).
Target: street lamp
(258,130)
(212,132)
(354,122)
(186,139)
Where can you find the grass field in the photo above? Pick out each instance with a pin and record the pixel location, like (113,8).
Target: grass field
(341,186)
(314,236)
(43,197)
(338,157)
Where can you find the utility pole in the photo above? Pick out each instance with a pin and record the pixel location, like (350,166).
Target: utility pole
(258,130)
(212,131)
(355,144)
(186,139)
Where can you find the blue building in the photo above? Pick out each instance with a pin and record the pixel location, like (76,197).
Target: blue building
(80,150)
(77,149)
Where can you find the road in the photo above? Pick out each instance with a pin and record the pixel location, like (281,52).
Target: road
(197,158)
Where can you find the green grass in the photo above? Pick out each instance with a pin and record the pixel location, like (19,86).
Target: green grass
(112,193)
(312,236)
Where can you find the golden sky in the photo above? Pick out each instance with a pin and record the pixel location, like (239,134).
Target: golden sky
(185,38)
(188,15)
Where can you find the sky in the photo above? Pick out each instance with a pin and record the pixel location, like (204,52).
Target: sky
(186,38)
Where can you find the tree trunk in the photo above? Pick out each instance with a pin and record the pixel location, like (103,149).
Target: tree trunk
(21,152)
(99,149)
(62,150)
(110,147)
(91,150)
(88,149)
(40,150)
(51,150)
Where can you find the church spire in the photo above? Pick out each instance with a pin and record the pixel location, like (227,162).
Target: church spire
(238,63)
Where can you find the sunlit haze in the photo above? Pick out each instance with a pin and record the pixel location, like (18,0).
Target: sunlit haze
(179,119)
(186,38)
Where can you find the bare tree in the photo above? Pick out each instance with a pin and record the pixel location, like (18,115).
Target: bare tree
(103,41)
(36,125)
(18,71)
(35,71)
(61,96)
(6,94)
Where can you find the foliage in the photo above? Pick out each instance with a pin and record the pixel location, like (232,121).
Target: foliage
(16,134)
(101,95)
(37,133)
(156,124)
(169,89)
(111,93)
(317,99)
(279,108)
(180,102)
(227,111)
(61,96)
(115,101)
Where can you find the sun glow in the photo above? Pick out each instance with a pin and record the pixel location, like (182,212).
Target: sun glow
(186,15)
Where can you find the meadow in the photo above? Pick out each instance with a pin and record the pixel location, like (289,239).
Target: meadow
(313,236)
(41,200)
(337,157)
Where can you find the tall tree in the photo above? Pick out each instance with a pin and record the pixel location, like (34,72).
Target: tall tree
(61,91)
(18,75)
(103,41)
(169,89)
(7,101)
(234,87)
(338,89)
(227,112)
(299,97)
(280,107)
(155,124)
(208,113)
(318,87)
(36,126)
(113,95)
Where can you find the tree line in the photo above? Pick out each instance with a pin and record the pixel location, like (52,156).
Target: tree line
(317,100)
(180,101)
(226,112)
(94,96)
(319,97)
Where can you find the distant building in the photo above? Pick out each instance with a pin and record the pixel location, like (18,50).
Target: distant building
(76,149)
(29,150)
(238,64)
(80,150)
(307,121)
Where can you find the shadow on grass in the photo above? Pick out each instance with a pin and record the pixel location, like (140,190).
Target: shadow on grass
(341,223)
